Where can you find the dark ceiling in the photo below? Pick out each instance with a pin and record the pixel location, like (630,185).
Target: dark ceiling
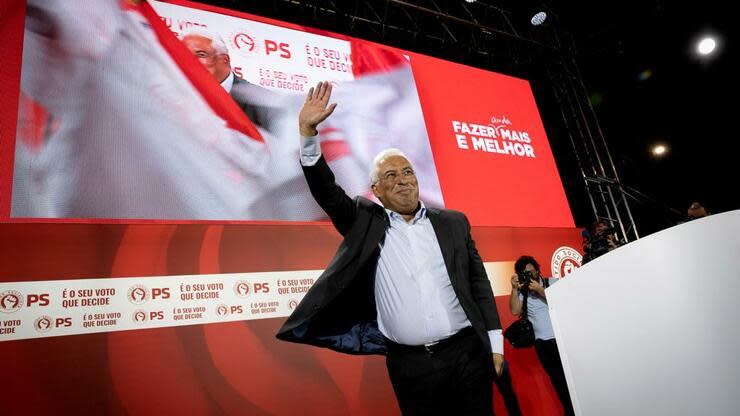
(636,60)
(679,100)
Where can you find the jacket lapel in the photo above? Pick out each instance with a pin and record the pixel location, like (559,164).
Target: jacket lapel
(375,233)
(443,231)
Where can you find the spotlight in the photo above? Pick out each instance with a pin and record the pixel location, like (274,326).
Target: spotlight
(470,1)
(645,75)
(659,150)
(706,46)
(538,18)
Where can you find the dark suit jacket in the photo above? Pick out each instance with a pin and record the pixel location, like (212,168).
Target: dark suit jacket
(248,109)
(338,312)
(261,105)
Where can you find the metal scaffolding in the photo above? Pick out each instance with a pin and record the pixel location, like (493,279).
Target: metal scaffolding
(607,196)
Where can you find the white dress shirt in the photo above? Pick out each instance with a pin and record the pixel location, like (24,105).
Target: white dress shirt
(228,82)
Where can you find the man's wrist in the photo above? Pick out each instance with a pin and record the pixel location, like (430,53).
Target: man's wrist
(307,131)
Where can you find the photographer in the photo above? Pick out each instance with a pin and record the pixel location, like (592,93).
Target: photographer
(528,281)
(599,240)
(696,210)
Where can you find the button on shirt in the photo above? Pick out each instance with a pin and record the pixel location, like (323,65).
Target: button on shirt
(414,297)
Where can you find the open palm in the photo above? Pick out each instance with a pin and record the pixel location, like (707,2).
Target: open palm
(315,109)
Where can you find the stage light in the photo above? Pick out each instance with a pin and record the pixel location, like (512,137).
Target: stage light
(645,75)
(538,18)
(706,46)
(470,1)
(659,150)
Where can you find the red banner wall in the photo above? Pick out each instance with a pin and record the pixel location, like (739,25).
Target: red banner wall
(239,367)
(232,368)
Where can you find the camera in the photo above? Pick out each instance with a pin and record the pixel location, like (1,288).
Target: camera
(598,244)
(524,277)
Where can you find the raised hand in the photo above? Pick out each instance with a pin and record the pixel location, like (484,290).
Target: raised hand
(515,284)
(315,109)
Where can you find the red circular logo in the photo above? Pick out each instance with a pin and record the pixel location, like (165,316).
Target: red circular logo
(241,288)
(564,261)
(139,316)
(10,301)
(292,304)
(222,310)
(43,323)
(138,294)
(244,42)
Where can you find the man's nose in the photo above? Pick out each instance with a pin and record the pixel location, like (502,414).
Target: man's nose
(403,179)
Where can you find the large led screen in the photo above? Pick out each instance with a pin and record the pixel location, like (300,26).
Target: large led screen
(122,116)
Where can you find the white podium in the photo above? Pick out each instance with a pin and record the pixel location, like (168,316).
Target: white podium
(653,328)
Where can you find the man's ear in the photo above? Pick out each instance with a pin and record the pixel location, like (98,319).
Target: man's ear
(375,190)
(227,58)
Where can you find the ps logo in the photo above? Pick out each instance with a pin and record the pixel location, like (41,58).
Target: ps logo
(244,42)
(139,316)
(45,323)
(222,310)
(283,49)
(138,294)
(10,301)
(42,323)
(241,289)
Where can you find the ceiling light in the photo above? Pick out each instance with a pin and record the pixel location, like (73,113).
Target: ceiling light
(706,45)
(538,18)
(659,150)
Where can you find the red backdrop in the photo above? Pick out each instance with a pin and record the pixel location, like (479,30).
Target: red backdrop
(239,367)
(233,368)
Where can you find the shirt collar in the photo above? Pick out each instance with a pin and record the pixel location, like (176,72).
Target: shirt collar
(228,82)
(420,214)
